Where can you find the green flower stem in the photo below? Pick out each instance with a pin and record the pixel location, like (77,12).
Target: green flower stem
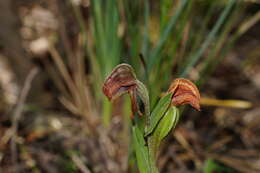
(164,126)
(106,112)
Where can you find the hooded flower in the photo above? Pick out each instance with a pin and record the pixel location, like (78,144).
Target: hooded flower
(184,92)
(123,80)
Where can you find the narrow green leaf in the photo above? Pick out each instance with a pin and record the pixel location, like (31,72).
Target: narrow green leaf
(212,165)
(196,57)
(141,151)
(154,58)
(145,43)
(218,51)
(165,125)
(158,112)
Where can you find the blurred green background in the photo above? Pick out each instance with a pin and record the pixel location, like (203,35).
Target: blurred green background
(55,55)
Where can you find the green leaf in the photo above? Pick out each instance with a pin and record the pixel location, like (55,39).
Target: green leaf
(154,58)
(158,112)
(211,165)
(169,121)
(141,151)
(210,38)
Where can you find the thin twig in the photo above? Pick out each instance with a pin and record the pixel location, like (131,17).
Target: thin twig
(181,139)
(18,110)
(80,164)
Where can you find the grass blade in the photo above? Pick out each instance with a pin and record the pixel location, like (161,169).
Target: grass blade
(195,58)
(154,58)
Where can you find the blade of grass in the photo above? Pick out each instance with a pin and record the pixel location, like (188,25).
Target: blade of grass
(154,58)
(240,31)
(196,57)
(145,43)
(165,7)
(196,37)
(206,70)
(179,37)
(107,42)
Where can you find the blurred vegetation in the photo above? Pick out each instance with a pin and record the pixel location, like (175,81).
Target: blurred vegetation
(77,43)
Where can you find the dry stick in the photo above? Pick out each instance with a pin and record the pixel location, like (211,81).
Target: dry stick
(80,164)
(18,110)
(180,138)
